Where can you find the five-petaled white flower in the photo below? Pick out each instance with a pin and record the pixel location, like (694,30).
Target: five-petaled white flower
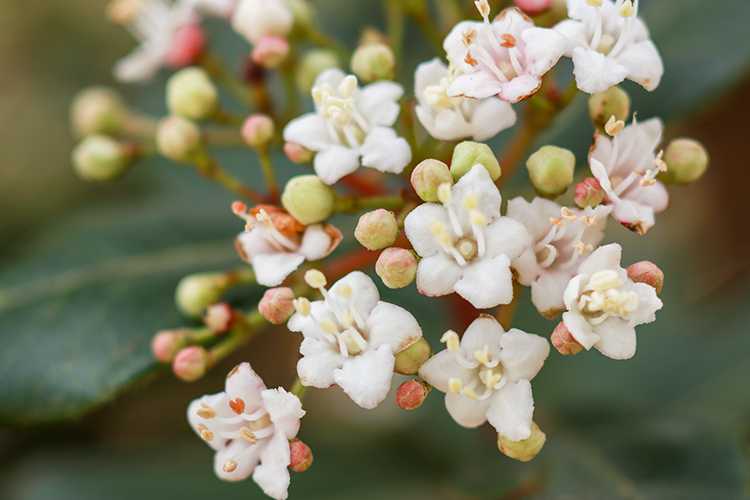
(256,19)
(276,244)
(506,58)
(559,239)
(604,305)
(609,43)
(451,118)
(351,337)
(247,424)
(465,245)
(350,122)
(625,166)
(486,376)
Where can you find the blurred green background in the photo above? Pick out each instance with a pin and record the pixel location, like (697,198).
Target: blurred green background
(88,272)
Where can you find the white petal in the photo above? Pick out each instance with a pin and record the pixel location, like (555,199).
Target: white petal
(520,88)
(366,378)
(575,32)
(316,242)
(272,475)
(444,124)
(466,411)
(617,338)
(364,295)
(440,368)
(437,275)
(335,162)
(319,360)
(547,291)
(483,332)
(511,410)
(220,403)
(486,283)
(330,76)
(606,257)
(377,102)
(506,236)
(417,227)
(595,72)
(654,196)
(454,47)
(523,354)
(477,85)
(245,465)
(391,325)
(527,267)
(244,383)
(648,303)
(534,216)
(544,47)
(580,329)
(477,181)
(253,242)
(643,63)
(272,268)
(490,116)
(385,151)
(428,73)
(310,131)
(285,410)
(633,215)
(141,64)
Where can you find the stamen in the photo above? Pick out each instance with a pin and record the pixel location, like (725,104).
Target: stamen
(205,433)
(582,247)
(470,201)
(247,435)
(206,412)
(509,41)
(444,193)
(605,279)
(470,60)
(568,215)
(302,306)
(315,279)
(468,37)
(483,7)
(437,227)
(329,326)
(237,406)
(647,180)
(614,126)
(627,9)
(588,220)
(454,385)
(344,290)
(558,222)
(469,392)
(483,356)
(594,3)
(659,162)
(230,465)
(451,340)
(347,85)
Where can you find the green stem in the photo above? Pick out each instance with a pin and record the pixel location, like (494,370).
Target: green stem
(298,389)
(267,167)
(353,205)
(240,333)
(519,145)
(395,20)
(317,37)
(505,313)
(223,137)
(211,169)
(233,84)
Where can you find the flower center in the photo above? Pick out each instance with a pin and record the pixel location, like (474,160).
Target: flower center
(463,248)
(487,370)
(279,229)
(606,43)
(345,125)
(603,299)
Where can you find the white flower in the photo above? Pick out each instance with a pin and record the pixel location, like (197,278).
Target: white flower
(560,237)
(625,166)
(506,58)
(604,305)
(487,376)
(256,19)
(248,424)
(351,338)
(608,44)
(350,122)
(276,244)
(465,245)
(451,118)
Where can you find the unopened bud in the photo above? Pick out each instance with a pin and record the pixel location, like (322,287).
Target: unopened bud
(300,456)
(192,94)
(411,394)
(270,51)
(277,305)
(428,176)
(377,229)
(191,363)
(195,292)
(564,341)
(179,139)
(468,153)
(100,158)
(258,131)
(589,193)
(373,62)
(410,359)
(614,102)
(220,317)
(534,7)
(523,450)
(97,110)
(166,344)
(308,199)
(312,64)
(298,153)
(551,170)
(648,273)
(686,159)
(255,20)
(187,47)
(397,267)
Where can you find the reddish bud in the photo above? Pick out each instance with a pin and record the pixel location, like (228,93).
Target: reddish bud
(300,455)
(534,7)
(167,343)
(270,51)
(191,363)
(277,305)
(589,193)
(648,273)
(258,130)
(298,153)
(187,47)
(411,394)
(219,317)
(564,341)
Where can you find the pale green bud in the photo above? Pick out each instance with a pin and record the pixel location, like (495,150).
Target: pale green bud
(308,199)
(686,159)
(98,110)
(192,94)
(397,267)
(179,139)
(312,64)
(468,153)
(427,176)
(410,359)
(195,292)
(373,62)
(614,102)
(523,450)
(100,158)
(551,170)
(377,229)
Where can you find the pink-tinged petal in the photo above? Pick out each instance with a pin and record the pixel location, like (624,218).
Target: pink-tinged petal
(606,257)
(490,116)
(617,338)
(285,410)
(486,283)
(602,148)
(654,196)
(245,465)
(506,236)
(643,63)
(377,102)
(392,325)
(437,275)
(272,268)
(477,182)
(483,331)
(454,47)
(417,228)
(544,47)
(575,32)
(272,475)
(633,215)
(648,303)
(580,329)
(466,411)
(523,354)
(335,162)
(511,410)
(310,131)
(366,378)
(600,174)
(319,360)
(364,295)
(520,88)
(595,72)
(547,292)
(477,85)
(526,266)
(220,403)
(244,383)
(385,151)
(442,367)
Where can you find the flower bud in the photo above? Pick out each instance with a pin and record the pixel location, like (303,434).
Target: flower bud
(100,158)
(589,193)
(410,359)
(564,341)
(298,153)
(648,273)
(277,305)
(614,102)
(411,394)
(220,317)
(270,51)
(308,199)
(258,130)
(312,64)
(377,229)
(372,62)
(192,94)
(427,176)
(166,344)
(397,267)
(533,7)
(191,363)
(468,153)
(551,170)
(686,159)
(195,292)
(179,139)
(188,46)
(300,456)
(97,110)
(257,19)
(523,450)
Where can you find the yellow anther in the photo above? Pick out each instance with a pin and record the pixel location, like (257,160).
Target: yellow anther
(230,465)
(557,222)
(605,279)
(347,85)
(444,192)
(470,201)
(659,162)
(582,247)
(344,290)
(351,344)
(263,216)
(469,393)
(317,94)
(302,306)
(627,9)
(647,180)
(477,218)
(594,3)
(329,326)
(315,278)
(246,435)
(205,433)
(444,239)
(347,318)
(588,220)
(483,7)
(454,385)
(568,215)
(436,227)
(492,379)
(451,341)
(614,126)
(206,412)
(483,356)
(468,37)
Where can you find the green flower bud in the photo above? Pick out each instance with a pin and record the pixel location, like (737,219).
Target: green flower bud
(551,170)
(468,153)
(308,199)
(100,158)
(179,139)
(410,359)
(312,64)
(192,94)
(195,292)
(98,110)
(523,450)
(427,176)
(397,267)
(377,229)
(614,102)
(373,62)
(686,159)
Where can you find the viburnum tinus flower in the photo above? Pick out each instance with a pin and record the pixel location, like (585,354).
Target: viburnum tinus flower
(250,427)
(604,305)
(348,123)
(465,245)
(609,43)
(626,167)
(506,58)
(276,244)
(560,237)
(351,337)
(256,19)
(451,118)
(487,376)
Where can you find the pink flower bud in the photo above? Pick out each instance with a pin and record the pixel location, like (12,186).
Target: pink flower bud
(377,229)
(187,47)
(564,341)
(298,153)
(270,51)
(397,267)
(411,394)
(276,305)
(589,193)
(258,130)
(167,343)
(220,317)
(410,359)
(648,273)
(300,455)
(525,449)
(191,363)
(534,7)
